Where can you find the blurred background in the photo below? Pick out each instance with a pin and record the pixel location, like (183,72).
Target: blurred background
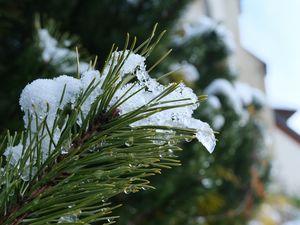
(243,54)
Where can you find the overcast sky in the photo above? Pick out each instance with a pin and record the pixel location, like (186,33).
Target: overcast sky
(271,30)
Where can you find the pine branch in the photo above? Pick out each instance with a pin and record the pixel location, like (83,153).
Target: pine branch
(93,141)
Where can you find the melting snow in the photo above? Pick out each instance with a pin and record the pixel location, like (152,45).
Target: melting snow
(43,97)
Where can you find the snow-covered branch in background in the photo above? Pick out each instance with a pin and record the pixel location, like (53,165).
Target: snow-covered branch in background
(238,95)
(61,57)
(188,70)
(202,25)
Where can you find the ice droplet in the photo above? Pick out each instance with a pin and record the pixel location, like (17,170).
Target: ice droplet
(171,142)
(64,151)
(126,191)
(110,220)
(129,142)
(188,139)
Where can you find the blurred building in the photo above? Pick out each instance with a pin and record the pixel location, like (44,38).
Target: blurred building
(286,154)
(285,143)
(251,69)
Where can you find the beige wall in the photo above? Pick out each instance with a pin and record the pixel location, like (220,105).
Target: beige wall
(286,162)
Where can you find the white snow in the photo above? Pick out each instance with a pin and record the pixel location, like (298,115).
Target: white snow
(15,153)
(218,122)
(203,25)
(61,57)
(238,95)
(88,77)
(131,65)
(188,70)
(214,102)
(225,88)
(43,97)
(249,94)
(176,117)
(214,110)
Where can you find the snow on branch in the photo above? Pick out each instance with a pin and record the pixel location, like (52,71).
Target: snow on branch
(201,26)
(43,98)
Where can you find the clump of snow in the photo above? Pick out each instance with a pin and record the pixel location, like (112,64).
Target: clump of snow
(214,102)
(132,64)
(238,95)
(249,94)
(88,77)
(188,70)
(214,110)
(218,122)
(203,25)
(71,87)
(225,88)
(176,117)
(15,153)
(42,98)
(61,57)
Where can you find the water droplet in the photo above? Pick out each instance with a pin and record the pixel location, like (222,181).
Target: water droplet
(171,142)
(161,155)
(64,151)
(129,142)
(143,188)
(188,139)
(70,218)
(25,177)
(126,191)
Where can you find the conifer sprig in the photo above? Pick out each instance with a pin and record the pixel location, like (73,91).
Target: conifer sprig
(92,161)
